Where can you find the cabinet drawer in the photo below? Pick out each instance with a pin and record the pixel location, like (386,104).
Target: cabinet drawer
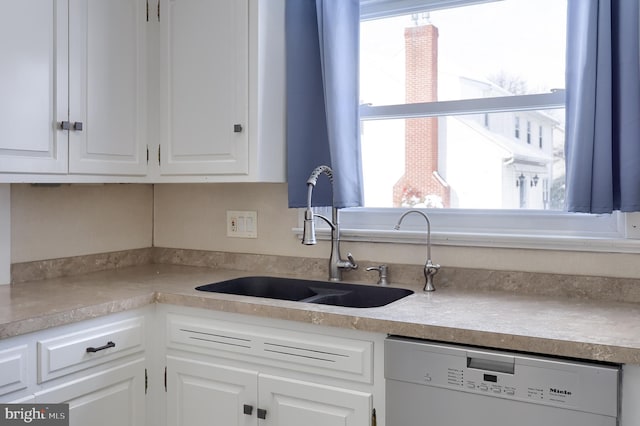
(13,369)
(68,353)
(349,359)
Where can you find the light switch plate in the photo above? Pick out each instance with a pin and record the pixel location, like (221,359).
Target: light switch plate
(242,224)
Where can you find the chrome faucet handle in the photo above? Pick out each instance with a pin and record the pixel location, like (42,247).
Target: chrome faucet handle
(382,273)
(430,269)
(353,264)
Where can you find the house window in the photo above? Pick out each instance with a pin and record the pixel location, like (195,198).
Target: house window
(540,137)
(516,125)
(529,132)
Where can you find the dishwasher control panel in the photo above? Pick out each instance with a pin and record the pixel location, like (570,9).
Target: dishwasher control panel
(541,380)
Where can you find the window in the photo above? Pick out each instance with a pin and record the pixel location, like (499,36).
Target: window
(434,74)
(540,137)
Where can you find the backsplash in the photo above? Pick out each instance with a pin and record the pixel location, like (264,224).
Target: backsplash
(467,279)
(77,265)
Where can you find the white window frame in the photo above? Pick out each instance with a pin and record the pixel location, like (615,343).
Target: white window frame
(530,229)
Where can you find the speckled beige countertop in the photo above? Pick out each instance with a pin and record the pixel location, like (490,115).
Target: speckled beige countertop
(571,327)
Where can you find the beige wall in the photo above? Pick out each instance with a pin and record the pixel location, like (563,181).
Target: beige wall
(72,220)
(193,216)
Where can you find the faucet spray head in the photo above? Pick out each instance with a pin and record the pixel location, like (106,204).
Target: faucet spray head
(309,229)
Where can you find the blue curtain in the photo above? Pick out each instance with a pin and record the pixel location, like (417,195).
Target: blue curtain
(603,106)
(322,41)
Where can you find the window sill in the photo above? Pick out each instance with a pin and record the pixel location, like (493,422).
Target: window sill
(535,242)
(617,233)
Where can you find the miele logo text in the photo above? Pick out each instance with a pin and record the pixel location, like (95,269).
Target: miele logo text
(559,391)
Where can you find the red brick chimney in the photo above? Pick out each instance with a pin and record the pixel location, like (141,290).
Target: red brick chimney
(421,134)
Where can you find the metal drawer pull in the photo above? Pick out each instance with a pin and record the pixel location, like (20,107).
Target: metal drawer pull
(247,409)
(65,125)
(262,414)
(101,348)
(77,125)
(237,128)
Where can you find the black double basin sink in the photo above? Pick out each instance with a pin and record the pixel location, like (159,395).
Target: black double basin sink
(309,291)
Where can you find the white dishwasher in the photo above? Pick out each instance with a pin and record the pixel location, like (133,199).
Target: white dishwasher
(435,384)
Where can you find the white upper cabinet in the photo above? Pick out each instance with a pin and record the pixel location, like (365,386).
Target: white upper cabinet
(142,91)
(221,99)
(33,86)
(73,90)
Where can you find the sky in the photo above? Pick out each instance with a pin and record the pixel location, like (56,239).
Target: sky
(524,38)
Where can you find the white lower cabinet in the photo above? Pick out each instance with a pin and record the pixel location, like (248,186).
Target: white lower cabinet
(98,367)
(13,368)
(204,394)
(167,365)
(111,396)
(259,371)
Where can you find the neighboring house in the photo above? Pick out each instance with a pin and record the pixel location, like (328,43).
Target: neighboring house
(490,161)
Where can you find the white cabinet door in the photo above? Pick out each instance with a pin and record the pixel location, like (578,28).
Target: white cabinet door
(293,403)
(204,87)
(107,92)
(33,86)
(112,396)
(206,394)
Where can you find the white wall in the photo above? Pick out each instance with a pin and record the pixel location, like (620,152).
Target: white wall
(5,233)
(73,220)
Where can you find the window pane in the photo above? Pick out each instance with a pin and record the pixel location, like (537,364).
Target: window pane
(465,161)
(483,50)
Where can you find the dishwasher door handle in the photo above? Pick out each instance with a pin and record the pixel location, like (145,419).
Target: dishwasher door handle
(491,362)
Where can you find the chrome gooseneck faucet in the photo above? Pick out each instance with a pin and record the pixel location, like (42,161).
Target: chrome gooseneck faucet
(336,263)
(430,269)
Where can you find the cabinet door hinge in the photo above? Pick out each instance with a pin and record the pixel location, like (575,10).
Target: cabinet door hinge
(158,155)
(158,10)
(146,381)
(147,154)
(147,10)
(165,378)
(374,420)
